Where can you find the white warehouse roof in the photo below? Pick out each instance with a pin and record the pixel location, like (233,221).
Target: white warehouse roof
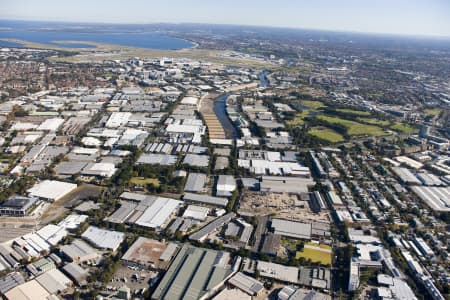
(51,124)
(51,189)
(118,119)
(189,101)
(156,215)
(104,239)
(177,128)
(196,212)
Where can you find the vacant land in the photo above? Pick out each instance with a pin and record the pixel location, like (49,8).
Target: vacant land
(144,181)
(326,134)
(404,128)
(354,128)
(316,253)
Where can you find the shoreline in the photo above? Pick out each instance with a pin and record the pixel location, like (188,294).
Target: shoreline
(60,44)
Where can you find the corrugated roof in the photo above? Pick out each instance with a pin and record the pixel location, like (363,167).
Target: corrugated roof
(191,275)
(205,199)
(195,182)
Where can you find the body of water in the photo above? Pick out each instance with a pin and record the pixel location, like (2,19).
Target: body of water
(151,40)
(221,112)
(263,81)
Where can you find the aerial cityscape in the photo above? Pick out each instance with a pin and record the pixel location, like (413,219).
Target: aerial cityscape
(191,156)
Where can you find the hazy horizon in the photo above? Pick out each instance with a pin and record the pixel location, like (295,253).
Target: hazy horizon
(412,18)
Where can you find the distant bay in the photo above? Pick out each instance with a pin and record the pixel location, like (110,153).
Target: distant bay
(150,40)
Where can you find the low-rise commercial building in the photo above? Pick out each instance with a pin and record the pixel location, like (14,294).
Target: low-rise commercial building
(17,206)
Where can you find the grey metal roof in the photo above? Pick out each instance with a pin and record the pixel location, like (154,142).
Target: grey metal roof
(279,184)
(76,272)
(196,160)
(195,182)
(10,281)
(205,199)
(123,212)
(246,283)
(271,243)
(226,180)
(192,274)
(204,231)
(221,163)
(157,159)
(292,229)
(77,248)
(69,167)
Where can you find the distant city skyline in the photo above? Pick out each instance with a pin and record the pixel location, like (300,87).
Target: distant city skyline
(404,17)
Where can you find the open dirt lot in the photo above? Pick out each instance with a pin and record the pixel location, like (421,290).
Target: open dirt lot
(284,206)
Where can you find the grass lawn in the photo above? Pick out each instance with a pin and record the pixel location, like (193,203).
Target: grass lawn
(354,128)
(404,128)
(299,119)
(326,134)
(374,121)
(312,104)
(144,181)
(316,253)
(432,111)
(353,112)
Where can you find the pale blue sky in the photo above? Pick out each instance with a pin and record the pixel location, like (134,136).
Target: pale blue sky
(413,17)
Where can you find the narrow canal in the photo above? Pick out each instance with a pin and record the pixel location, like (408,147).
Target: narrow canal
(220,109)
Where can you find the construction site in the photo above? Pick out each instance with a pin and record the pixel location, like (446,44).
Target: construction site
(283,205)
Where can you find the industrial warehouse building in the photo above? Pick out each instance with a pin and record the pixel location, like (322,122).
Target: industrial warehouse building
(80,252)
(149,253)
(26,291)
(17,206)
(280,184)
(195,183)
(437,198)
(195,273)
(145,210)
(246,283)
(291,229)
(103,239)
(157,214)
(196,212)
(225,186)
(51,190)
(205,199)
